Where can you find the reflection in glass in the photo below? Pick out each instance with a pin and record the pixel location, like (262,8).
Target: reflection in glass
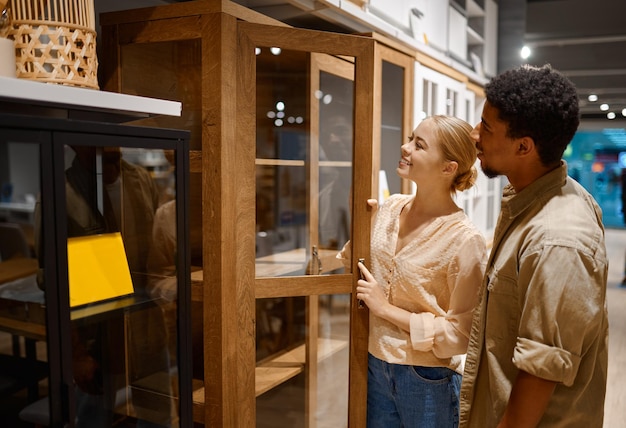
(23,351)
(124,353)
(304,152)
(391,138)
(281,338)
(178,62)
(336,143)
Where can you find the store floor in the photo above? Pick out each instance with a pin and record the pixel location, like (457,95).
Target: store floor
(616,297)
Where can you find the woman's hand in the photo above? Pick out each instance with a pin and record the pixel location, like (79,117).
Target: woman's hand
(371,293)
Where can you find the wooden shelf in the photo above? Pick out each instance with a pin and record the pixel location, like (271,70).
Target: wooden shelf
(276,370)
(284,264)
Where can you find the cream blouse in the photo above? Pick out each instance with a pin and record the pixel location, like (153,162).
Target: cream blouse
(436,277)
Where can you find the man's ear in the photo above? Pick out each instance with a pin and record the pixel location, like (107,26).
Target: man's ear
(525,146)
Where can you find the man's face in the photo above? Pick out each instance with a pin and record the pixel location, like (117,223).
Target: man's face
(495,149)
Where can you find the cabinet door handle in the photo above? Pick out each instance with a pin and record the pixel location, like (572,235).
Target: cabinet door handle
(314,267)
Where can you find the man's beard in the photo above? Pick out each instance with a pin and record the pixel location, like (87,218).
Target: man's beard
(490,173)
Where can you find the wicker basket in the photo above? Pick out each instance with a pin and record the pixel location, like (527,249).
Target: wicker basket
(55,41)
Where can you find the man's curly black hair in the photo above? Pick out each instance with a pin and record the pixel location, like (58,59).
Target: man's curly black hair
(537,102)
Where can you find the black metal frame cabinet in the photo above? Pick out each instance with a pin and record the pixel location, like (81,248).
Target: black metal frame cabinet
(100,353)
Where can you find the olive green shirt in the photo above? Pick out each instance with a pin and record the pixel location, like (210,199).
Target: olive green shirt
(542,307)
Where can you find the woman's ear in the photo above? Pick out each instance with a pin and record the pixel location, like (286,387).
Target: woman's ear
(450,167)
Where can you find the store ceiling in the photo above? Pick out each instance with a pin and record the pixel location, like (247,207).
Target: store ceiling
(586,40)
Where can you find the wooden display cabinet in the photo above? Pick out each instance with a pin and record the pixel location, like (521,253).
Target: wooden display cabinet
(269,133)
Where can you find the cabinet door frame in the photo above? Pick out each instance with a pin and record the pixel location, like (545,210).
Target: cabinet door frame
(362,50)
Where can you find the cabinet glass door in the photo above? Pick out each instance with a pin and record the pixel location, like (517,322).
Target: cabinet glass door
(394,84)
(24,358)
(304,179)
(125,269)
(305,167)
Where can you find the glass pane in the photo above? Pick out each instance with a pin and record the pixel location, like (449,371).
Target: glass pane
(24,368)
(281,338)
(292,188)
(304,182)
(391,130)
(283,242)
(179,63)
(174,75)
(336,105)
(124,318)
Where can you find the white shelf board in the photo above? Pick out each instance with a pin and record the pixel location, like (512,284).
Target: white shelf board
(24,90)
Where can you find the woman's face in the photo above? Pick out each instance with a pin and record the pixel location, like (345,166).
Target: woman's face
(421,155)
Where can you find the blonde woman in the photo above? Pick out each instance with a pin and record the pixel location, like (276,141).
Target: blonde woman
(427,263)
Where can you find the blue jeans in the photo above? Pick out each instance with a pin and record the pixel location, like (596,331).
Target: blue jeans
(411,396)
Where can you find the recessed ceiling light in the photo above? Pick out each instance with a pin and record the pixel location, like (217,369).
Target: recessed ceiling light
(610,115)
(525,52)
(592,97)
(604,107)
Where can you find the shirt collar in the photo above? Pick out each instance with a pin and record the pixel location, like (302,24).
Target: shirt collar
(515,203)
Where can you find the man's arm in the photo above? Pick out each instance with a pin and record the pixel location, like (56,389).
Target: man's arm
(528,402)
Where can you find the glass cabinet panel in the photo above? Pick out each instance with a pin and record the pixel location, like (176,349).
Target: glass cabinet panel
(305,140)
(121,206)
(24,367)
(175,74)
(393,134)
(93,279)
(303,166)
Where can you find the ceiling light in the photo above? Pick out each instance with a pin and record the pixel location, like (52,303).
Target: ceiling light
(525,52)
(604,107)
(624,112)
(275,51)
(592,97)
(610,115)
(257,51)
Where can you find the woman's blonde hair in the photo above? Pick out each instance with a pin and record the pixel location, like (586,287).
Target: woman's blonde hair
(457,145)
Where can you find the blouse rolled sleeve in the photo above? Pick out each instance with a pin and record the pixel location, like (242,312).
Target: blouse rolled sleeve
(447,333)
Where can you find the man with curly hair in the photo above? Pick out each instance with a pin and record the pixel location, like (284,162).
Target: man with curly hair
(537,353)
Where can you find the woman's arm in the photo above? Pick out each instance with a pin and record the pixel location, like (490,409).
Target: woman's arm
(444,335)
